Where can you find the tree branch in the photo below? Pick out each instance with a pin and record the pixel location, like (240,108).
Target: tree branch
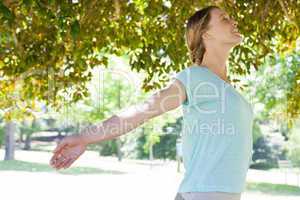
(287,14)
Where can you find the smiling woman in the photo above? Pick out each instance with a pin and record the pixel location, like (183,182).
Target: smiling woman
(215,164)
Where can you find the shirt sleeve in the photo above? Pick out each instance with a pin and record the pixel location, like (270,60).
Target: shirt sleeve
(184,77)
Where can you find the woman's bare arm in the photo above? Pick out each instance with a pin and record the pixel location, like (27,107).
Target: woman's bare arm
(72,147)
(160,102)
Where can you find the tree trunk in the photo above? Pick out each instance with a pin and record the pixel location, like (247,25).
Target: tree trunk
(119,152)
(151,152)
(118,140)
(10,130)
(27,142)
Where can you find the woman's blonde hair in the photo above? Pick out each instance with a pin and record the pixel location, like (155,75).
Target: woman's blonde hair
(197,24)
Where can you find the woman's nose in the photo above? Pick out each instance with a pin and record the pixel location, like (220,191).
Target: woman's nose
(234,23)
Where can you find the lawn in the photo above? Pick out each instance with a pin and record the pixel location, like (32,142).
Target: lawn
(274,189)
(17,165)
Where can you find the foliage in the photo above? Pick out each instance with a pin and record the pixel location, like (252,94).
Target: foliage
(151,139)
(154,133)
(263,165)
(141,154)
(47,48)
(256,132)
(2,135)
(265,153)
(2,132)
(174,127)
(274,87)
(293,147)
(108,148)
(146,140)
(30,127)
(166,148)
(109,91)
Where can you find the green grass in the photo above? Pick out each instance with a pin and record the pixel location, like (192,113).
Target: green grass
(274,189)
(17,165)
(42,147)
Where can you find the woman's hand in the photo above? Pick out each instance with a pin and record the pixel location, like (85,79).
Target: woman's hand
(67,151)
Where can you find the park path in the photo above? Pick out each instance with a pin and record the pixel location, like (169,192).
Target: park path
(140,180)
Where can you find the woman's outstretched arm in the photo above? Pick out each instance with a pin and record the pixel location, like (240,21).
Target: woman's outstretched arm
(71,147)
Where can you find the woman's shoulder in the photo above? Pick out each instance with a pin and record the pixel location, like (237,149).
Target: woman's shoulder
(192,70)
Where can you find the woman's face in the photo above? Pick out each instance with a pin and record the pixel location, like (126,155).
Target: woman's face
(222,28)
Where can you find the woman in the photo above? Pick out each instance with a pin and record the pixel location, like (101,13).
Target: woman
(216,137)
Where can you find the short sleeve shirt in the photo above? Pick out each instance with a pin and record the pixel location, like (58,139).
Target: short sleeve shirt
(216,133)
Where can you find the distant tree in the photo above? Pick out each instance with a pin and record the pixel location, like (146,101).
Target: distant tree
(275,87)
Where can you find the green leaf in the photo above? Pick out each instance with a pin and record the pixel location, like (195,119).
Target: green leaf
(75,29)
(7,14)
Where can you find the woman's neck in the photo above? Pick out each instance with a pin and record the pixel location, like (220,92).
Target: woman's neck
(215,59)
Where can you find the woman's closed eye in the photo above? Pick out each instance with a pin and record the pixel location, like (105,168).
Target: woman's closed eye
(226,18)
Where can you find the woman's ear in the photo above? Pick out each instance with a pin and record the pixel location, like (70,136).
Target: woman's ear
(206,35)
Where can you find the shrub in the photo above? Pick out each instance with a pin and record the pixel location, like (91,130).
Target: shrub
(265,153)
(293,148)
(2,135)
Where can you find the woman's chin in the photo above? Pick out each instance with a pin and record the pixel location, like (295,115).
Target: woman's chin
(238,38)
(235,40)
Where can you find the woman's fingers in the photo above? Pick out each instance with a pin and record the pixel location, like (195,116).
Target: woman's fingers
(67,157)
(57,162)
(62,162)
(57,156)
(66,153)
(53,160)
(69,163)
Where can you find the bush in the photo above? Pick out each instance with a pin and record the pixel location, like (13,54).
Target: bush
(265,153)
(256,132)
(263,165)
(164,149)
(2,135)
(293,148)
(108,147)
(141,154)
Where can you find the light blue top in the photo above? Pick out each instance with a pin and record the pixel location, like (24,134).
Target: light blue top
(216,134)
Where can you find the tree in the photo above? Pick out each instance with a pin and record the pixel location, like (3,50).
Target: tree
(276,87)
(293,147)
(48,46)
(28,128)
(10,130)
